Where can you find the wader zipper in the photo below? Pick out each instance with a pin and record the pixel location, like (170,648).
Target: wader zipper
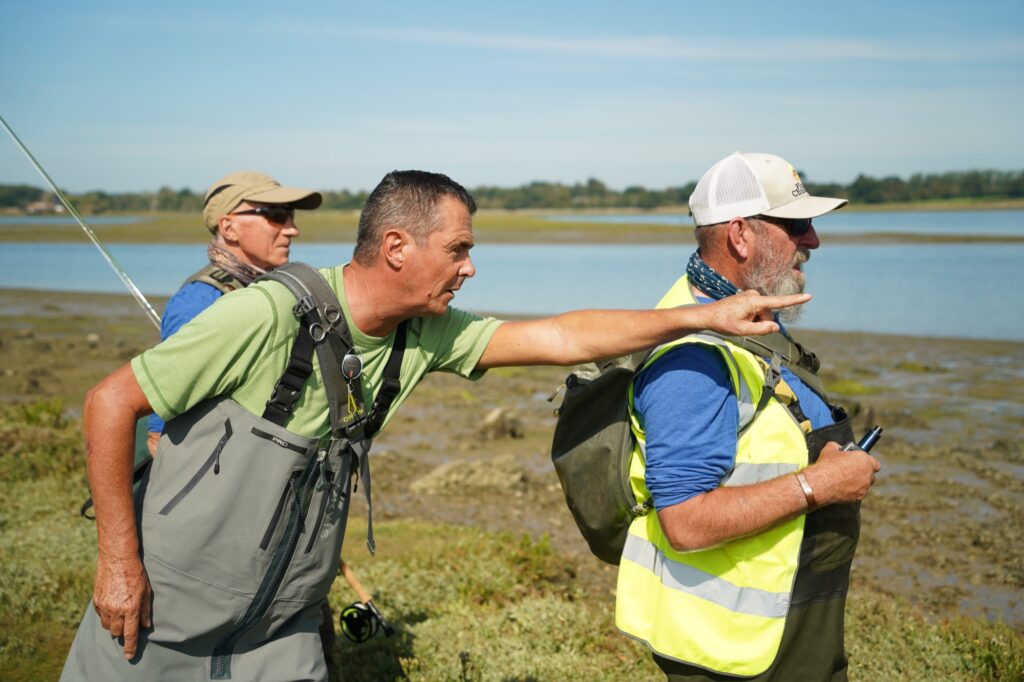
(212,461)
(279,510)
(324,499)
(220,664)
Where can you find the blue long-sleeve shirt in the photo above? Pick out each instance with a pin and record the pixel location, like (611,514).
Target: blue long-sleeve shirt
(690,417)
(186,303)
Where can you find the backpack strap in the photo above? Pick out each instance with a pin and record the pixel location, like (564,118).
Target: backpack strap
(782,350)
(792,355)
(217,277)
(775,351)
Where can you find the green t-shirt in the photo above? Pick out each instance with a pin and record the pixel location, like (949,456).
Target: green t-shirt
(240,346)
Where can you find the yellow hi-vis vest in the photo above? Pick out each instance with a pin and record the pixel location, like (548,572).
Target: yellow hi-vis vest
(722,608)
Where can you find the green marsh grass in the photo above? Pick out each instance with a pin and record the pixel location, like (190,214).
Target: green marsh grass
(467,604)
(491,226)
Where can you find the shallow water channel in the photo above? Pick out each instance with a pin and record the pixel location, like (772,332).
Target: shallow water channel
(951,290)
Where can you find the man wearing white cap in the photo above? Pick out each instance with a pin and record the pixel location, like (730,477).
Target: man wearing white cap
(744,567)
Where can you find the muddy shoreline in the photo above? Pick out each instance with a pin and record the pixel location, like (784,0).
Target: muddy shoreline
(943,528)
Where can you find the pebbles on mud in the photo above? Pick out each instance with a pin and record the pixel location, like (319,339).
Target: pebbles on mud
(502,473)
(501,422)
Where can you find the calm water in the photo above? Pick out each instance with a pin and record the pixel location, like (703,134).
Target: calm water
(998,223)
(959,290)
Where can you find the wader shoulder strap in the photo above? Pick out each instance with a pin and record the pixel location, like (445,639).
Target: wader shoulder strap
(300,366)
(321,319)
(319,313)
(218,278)
(390,385)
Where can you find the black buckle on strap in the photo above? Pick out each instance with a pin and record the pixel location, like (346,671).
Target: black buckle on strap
(304,305)
(389,387)
(284,398)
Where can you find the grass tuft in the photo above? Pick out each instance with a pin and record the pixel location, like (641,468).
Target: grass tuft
(37,440)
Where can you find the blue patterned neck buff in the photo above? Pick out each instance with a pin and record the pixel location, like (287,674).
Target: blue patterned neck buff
(705,278)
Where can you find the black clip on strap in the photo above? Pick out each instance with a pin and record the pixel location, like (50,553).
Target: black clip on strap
(289,387)
(772,376)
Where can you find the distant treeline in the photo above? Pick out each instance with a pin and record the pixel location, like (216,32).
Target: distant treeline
(977,184)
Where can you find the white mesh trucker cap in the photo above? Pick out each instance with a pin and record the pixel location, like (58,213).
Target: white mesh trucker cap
(745,184)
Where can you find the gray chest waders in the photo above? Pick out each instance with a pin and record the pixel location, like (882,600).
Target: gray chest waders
(830,533)
(241,522)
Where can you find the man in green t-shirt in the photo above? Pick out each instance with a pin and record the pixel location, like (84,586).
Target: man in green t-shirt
(411,257)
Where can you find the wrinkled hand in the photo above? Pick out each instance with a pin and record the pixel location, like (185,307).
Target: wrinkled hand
(123,599)
(841,476)
(748,313)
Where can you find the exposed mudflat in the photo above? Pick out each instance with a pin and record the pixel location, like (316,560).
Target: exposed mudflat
(943,527)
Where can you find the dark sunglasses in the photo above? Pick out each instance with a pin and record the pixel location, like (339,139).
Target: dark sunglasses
(277,215)
(795,227)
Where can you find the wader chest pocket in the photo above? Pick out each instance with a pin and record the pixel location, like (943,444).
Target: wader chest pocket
(212,462)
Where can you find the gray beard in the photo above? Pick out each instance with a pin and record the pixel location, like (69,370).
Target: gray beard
(773,278)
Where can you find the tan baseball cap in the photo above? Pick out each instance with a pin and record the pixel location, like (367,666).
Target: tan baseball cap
(231,190)
(746,184)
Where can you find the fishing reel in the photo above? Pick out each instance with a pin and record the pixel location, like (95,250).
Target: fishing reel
(360,621)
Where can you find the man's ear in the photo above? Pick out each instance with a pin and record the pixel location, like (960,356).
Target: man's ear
(228,229)
(740,236)
(393,246)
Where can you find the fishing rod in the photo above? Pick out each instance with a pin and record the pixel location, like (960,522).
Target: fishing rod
(361,620)
(146,307)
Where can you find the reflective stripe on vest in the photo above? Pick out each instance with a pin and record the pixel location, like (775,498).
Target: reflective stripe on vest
(723,608)
(679,576)
(747,474)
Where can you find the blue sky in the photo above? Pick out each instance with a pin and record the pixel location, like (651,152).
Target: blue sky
(125,96)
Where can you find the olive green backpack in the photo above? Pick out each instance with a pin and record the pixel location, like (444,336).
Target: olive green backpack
(591,450)
(593,442)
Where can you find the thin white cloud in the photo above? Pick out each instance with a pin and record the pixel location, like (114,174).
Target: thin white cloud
(673,48)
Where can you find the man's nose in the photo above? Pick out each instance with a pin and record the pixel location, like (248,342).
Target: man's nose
(809,239)
(289,228)
(467,269)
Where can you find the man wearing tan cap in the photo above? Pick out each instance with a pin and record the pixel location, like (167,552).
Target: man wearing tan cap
(742,569)
(223,571)
(252,219)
